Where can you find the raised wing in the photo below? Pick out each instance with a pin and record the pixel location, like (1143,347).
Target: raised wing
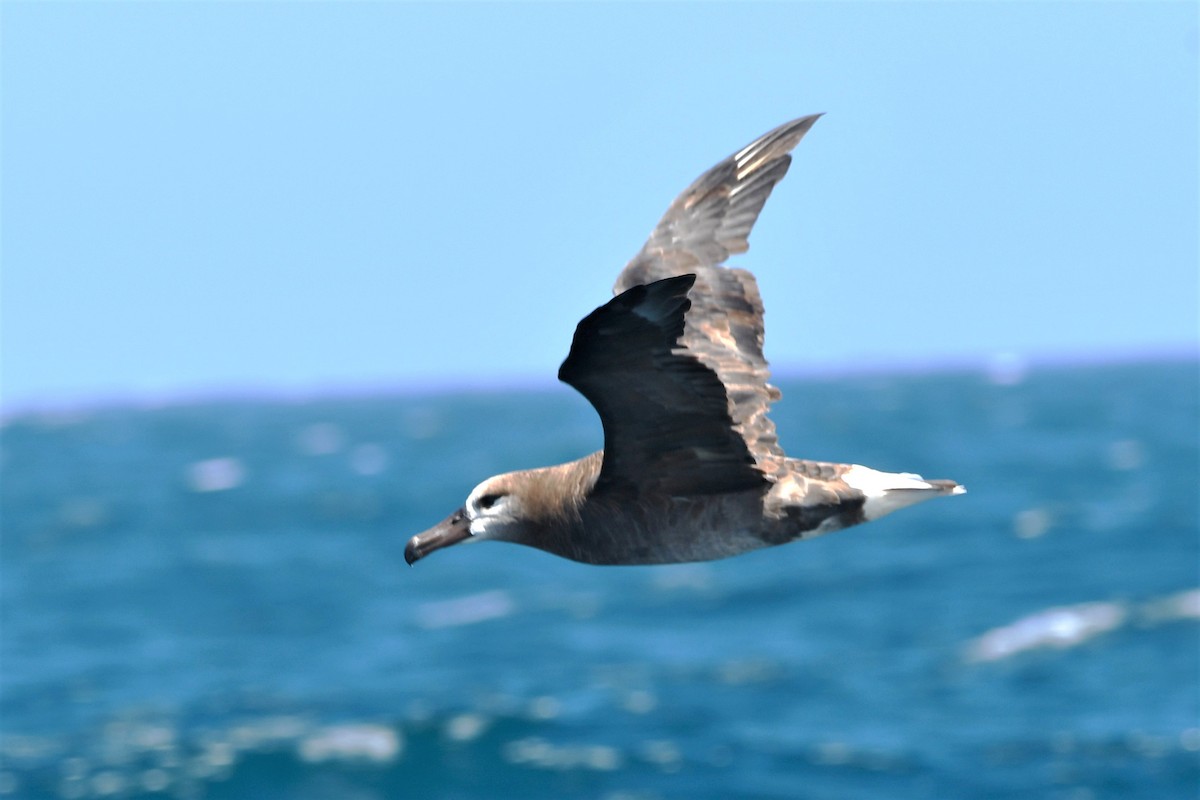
(712,218)
(724,329)
(665,414)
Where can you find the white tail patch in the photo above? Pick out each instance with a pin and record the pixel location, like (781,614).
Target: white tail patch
(889,491)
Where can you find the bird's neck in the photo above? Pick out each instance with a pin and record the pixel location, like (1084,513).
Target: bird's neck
(555,494)
(552,498)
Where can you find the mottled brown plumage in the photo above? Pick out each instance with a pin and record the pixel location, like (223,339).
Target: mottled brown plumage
(691,468)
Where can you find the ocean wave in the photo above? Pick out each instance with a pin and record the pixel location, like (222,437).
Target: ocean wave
(1064,627)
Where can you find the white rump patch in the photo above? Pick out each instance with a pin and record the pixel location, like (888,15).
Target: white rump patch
(889,491)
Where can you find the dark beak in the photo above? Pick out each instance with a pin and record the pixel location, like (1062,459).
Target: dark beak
(452,530)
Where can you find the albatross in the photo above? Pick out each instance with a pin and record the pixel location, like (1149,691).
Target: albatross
(691,468)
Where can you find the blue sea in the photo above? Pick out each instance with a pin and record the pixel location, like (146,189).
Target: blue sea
(210,600)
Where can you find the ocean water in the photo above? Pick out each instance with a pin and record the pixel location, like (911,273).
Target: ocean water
(210,601)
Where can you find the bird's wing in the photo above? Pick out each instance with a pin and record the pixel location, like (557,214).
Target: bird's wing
(724,329)
(665,413)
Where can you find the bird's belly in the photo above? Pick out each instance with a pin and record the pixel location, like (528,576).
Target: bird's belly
(681,530)
(705,528)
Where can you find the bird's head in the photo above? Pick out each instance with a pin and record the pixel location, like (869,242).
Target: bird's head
(493,510)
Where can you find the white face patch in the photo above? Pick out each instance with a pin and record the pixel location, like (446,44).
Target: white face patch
(479,527)
(489,508)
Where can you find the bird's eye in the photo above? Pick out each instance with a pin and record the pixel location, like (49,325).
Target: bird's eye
(488,500)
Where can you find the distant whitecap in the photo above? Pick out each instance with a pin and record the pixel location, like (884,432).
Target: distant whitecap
(833,753)
(108,782)
(368,459)
(267,732)
(639,701)
(216,474)
(537,752)
(465,727)
(544,707)
(663,753)
(1180,606)
(1031,523)
(320,439)
(83,512)
(1126,455)
(352,742)
(465,610)
(155,780)
(1060,627)
(422,423)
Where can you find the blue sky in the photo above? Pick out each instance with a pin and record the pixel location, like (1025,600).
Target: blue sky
(300,198)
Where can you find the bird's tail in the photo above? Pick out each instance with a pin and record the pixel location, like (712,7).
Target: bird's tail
(886,492)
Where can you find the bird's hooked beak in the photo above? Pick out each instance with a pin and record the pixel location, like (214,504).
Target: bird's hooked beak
(452,530)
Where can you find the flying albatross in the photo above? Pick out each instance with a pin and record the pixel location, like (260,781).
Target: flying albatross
(691,469)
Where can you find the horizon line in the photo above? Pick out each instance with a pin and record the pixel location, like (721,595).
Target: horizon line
(1004,368)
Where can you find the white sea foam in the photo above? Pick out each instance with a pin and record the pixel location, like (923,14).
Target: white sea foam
(1067,626)
(1031,523)
(1126,455)
(352,742)
(535,751)
(368,459)
(1060,627)
(216,474)
(320,439)
(465,727)
(1180,606)
(465,610)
